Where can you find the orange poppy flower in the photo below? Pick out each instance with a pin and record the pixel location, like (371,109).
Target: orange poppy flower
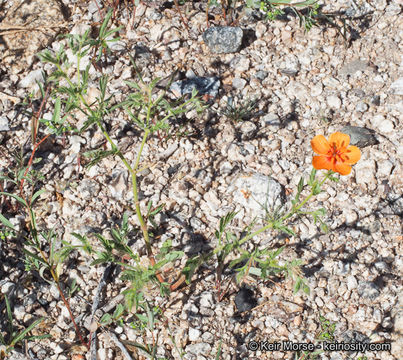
(334,154)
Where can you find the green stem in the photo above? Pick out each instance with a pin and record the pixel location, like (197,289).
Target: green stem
(257,232)
(136,195)
(285,217)
(294,209)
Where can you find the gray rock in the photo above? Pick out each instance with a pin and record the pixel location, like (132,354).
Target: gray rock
(272,120)
(206,299)
(334,101)
(142,55)
(261,75)
(199,349)
(194,334)
(257,192)
(360,136)
(4,126)
(203,85)
(245,299)
(118,184)
(31,79)
(381,124)
(351,282)
(353,66)
(92,7)
(354,336)
(361,107)
(223,39)
(238,83)
(397,87)
(368,289)
(376,100)
(248,128)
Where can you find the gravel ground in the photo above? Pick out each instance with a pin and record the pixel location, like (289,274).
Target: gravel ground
(305,84)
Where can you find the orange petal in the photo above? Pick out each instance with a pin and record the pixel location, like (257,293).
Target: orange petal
(320,145)
(352,155)
(342,168)
(339,139)
(321,163)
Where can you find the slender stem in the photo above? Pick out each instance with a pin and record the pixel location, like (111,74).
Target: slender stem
(30,161)
(136,195)
(294,209)
(257,232)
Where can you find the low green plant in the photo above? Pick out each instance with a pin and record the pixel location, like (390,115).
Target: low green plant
(326,333)
(242,110)
(147,109)
(264,262)
(10,337)
(306,11)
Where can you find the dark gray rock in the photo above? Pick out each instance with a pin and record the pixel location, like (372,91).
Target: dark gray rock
(142,55)
(376,100)
(360,136)
(368,289)
(223,39)
(245,300)
(203,85)
(352,336)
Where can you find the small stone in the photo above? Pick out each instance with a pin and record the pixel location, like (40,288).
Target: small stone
(7,287)
(397,87)
(316,89)
(240,64)
(143,55)
(376,100)
(199,349)
(298,320)
(291,307)
(365,171)
(261,75)
(334,102)
(384,168)
(248,128)
(296,90)
(245,299)
(353,66)
(31,79)
(4,126)
(238,83)
(203,85)
(383,125)
(271,120)
(256,192)
(76,142)
(223,39)
(382,267)
(368,289)
(361,107)
(206,299)
(360,136)
(194,334)
(351,282)
(208,337)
